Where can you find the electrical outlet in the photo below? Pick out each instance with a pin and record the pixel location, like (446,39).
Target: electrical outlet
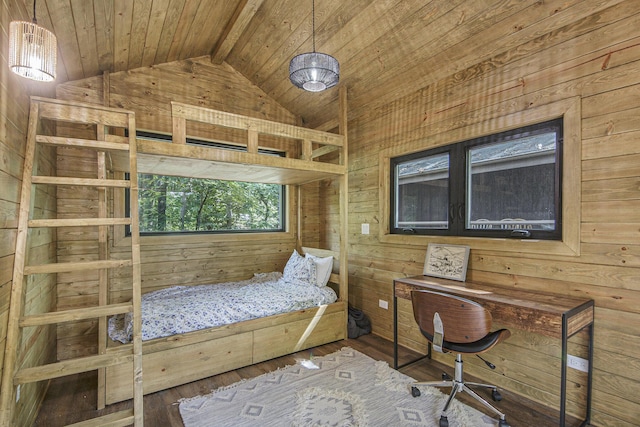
(364,228)
(383,304)
(578,363)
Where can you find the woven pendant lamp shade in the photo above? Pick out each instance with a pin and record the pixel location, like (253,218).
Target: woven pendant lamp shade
(314,72)
(32,51)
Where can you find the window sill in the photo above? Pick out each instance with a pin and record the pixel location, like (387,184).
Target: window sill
(530,246)
(187,239)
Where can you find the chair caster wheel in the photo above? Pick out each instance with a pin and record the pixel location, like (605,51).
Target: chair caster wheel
(415,392)
(445,377)
(495,395)
(503,423)
(444,422)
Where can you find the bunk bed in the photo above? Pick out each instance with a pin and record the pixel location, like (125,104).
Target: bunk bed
(312,155)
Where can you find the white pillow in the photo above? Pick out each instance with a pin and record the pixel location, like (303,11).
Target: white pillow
(324,267)
(300,270)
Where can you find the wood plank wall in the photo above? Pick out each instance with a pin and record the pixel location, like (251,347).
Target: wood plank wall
(38,344)
(596,58)
(177,259)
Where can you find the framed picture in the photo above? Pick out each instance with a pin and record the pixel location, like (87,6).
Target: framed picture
(446,261)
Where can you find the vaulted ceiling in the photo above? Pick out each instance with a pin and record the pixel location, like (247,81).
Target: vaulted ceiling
(386,48)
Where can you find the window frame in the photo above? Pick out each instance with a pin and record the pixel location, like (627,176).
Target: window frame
(569,109)
(289,213)
(459,179)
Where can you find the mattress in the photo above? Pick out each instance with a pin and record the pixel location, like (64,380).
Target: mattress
(181,309)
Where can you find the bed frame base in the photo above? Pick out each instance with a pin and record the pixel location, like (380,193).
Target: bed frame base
(172,361)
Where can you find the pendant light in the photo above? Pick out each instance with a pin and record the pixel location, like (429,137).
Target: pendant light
(314,72)
(32,50)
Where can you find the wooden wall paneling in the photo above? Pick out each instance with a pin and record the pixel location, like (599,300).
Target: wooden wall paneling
(104,33)
(157,19)
(123,13)
(173,13)
(533,38)
(417,46)
(61,14)
(474,87)
(246,52)
(138,34)
(10,164)
(312,215)
(202,33)
(593,56)
(196,82)
(82,12)
(182,29)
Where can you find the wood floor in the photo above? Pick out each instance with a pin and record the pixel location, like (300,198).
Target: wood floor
(73,398)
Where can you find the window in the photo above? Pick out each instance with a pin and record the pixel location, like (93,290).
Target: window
(502,185)
(170,204)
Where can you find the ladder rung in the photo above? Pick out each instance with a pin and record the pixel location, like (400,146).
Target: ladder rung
(116,419)
(78,222)
(85,182)
(82,143)
(75,314)
(75,266)
(72,366)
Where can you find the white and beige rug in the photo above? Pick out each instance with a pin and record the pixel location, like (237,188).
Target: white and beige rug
(345,388)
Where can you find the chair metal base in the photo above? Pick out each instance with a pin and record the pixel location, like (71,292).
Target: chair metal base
(457,384)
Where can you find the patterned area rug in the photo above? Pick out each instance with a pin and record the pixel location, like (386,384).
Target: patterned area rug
(345,388)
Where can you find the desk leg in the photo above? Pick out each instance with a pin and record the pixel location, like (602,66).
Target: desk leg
(587,420)
(563,372)
(395,337)
(563,379)
(395,328)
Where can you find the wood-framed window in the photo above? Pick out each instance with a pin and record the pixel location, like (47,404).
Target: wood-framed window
(283,232)
(569,110)
(507,184)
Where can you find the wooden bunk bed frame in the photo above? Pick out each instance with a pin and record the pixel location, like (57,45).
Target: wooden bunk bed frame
(175,360)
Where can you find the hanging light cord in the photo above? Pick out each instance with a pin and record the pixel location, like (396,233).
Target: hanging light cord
(313,23)
(35,21)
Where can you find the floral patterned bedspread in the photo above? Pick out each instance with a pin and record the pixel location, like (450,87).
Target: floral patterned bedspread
(181,309)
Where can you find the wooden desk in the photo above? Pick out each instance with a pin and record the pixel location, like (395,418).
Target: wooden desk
(551,315)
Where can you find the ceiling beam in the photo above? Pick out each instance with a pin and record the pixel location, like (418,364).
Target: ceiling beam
(241,17)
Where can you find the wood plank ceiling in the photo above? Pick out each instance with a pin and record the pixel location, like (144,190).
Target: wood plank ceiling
(386,48)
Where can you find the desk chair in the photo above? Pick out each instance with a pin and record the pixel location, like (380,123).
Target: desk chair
(462,326)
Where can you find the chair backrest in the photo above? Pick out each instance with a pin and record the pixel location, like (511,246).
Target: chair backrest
(464,321)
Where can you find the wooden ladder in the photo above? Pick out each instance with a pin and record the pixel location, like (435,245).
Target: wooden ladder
(112,132)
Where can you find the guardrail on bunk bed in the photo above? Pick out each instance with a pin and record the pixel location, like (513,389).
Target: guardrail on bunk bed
(311,147)
(328,142)
(311,154)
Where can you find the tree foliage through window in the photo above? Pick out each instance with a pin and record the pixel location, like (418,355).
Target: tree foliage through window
(176,204)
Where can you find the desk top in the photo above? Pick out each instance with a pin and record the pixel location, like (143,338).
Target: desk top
(529,310)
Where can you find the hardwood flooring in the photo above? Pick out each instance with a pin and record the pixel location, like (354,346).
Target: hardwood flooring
(73,398)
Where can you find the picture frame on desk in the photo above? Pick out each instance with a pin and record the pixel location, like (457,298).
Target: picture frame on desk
(447,261)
